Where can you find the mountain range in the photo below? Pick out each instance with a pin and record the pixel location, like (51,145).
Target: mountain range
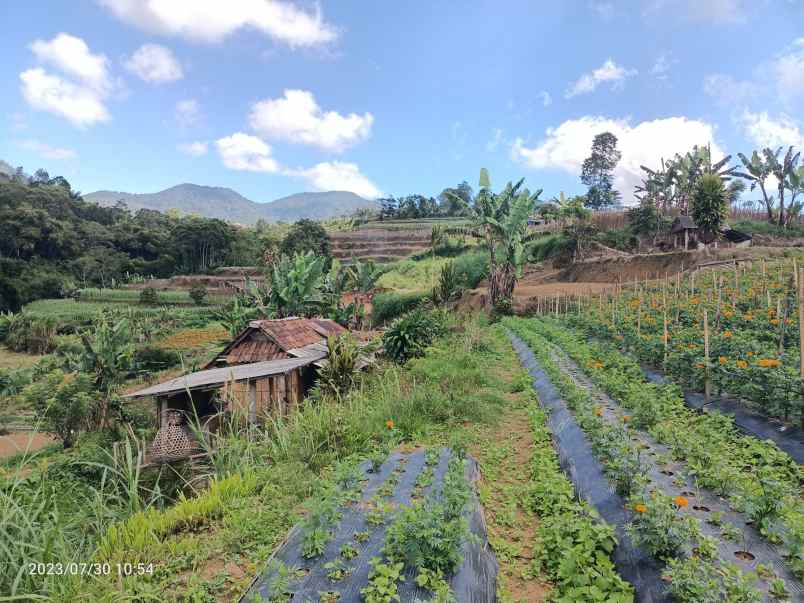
(227,204)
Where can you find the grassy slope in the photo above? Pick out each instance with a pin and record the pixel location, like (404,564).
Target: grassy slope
(462,392)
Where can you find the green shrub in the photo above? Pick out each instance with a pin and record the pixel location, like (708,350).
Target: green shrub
(410,335)
(472,267)
(390,305)
(449,286)
(63,400)
(149,297)
(198,293)
(154,358)
(338,375)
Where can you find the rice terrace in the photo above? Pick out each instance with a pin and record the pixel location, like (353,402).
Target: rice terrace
(573,376)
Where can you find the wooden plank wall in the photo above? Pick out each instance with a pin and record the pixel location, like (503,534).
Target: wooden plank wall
(274,395)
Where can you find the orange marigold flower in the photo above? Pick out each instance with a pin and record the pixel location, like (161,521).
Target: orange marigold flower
(700,365)
(389,424)
(750,354)
(742,364)
(768,362)
(722,360)
(640,508)
(748,316)
(598,411)
(626,418)
(774,321)
(681,502)
(727,333)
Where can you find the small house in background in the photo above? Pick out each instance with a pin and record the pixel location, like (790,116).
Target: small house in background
(265,371)
(684,231)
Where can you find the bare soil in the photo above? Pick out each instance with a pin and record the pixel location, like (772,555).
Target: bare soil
(15,443)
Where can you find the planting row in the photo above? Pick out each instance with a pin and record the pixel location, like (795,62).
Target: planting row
(752,326)
(692,549)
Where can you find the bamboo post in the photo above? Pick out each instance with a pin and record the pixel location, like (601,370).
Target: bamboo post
(801,324)
(665,337)
(707,384)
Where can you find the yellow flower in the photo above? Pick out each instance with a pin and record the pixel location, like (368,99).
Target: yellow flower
(768,362)
(774,321)
(750,354)
(727,333)
(389,424)
(748,316)
(722,360)
(598,411)
(640,508)
(681,502)
(742,364)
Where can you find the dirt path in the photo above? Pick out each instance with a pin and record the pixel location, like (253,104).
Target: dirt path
(21,441)
(503,452)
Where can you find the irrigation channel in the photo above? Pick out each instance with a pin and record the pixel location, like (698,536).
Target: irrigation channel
(664,473)
(359,537)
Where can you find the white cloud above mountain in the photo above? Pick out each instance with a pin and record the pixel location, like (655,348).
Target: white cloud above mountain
(296,117)
(212,21)
(155,64)
(79,92)
(645,143)
(338,176)
(247,153)
(608,73)
(47,151)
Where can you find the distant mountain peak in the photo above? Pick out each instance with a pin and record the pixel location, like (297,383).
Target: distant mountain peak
(228,204)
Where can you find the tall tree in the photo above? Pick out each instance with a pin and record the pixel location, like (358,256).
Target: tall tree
(710,204)
(597,171)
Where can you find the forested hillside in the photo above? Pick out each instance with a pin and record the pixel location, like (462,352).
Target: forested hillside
(52,241)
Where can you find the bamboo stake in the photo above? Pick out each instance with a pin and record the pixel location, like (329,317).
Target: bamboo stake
(801,323)
(707,384)
(665,336)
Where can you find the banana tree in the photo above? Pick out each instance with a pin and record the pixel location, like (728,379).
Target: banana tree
(757,172)
(297,285)
(362,277)
(782,170)
(500,220)
(795,183)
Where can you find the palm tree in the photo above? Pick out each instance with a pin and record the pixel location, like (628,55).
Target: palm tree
(500,220)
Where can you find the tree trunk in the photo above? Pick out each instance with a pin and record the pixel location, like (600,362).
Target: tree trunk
(768,203)
(501,287)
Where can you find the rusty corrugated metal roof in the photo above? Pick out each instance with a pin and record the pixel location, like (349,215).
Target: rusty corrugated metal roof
(290,333)
(256,347)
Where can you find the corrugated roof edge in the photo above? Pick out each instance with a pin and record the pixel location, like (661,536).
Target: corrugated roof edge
(219,376)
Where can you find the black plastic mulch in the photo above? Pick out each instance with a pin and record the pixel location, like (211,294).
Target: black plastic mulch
(787,437)
(586,474)
(475,581)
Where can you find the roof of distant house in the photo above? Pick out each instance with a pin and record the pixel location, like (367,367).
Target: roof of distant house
(683,223)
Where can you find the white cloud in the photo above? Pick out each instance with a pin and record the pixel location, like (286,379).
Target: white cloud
(766,131)
(81,106)
(214,20)
(545,97)
(609,71)
(604,10)
(338,176)
(46,151)
(645,143)
(729,91)
(155,64)
(496,139)
(188,112)
(661,68)
(244,152)
(80,98)
(72,56)
(296,117)
(194,149)
(788,70)
(706,11)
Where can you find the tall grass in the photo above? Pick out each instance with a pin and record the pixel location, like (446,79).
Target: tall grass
(132,296)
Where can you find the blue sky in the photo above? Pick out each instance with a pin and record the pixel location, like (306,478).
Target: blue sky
(271,98)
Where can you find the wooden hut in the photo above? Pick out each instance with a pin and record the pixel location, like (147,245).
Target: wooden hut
(684,229)
(265,371)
